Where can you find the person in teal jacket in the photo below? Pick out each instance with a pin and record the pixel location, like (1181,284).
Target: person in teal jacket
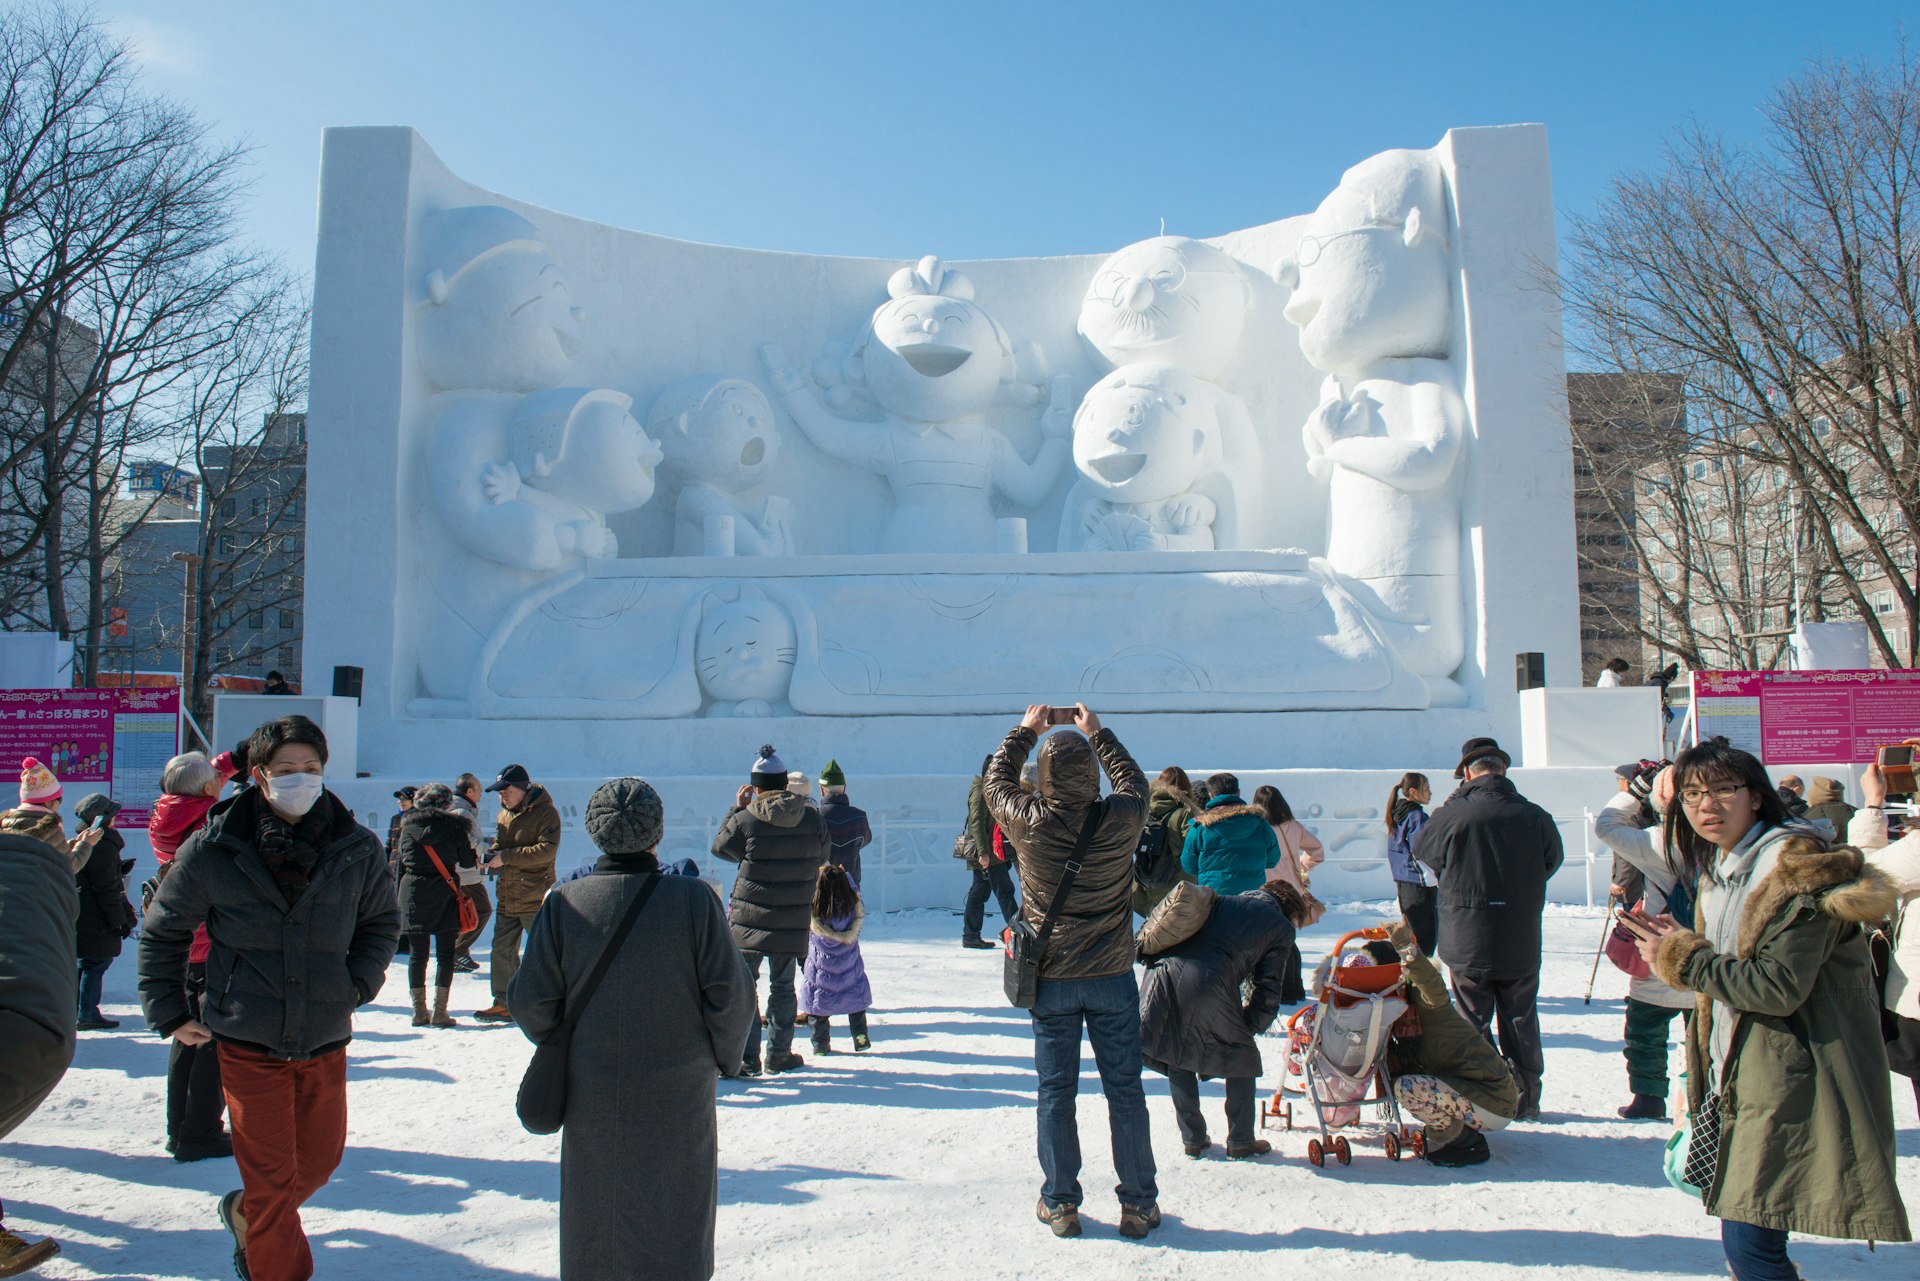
(1230,845)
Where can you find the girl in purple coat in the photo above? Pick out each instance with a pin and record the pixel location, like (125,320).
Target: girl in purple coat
(835,978)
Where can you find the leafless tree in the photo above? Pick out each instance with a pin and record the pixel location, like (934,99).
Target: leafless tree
(1778,281)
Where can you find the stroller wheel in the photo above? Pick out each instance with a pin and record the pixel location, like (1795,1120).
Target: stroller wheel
(1393,1147)
(1343,1150)
(1316,1153)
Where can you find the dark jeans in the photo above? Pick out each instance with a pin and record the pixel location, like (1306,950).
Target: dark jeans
(463,945)
(996,879)
(781,1004)
(443,954)
(1515,1003)
(93,976)
(1420,904)
(194,1098)
(1646,1048)
(1755,1253)
(1109,1009)
(822,1025)
(1184,1086)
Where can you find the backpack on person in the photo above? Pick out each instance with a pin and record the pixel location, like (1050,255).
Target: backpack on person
(1156,864)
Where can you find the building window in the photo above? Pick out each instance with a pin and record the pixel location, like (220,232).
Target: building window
(227,507)
(258,507)
(1821,426)
(256,620)
(286,620)
(1882,602)
(223,620)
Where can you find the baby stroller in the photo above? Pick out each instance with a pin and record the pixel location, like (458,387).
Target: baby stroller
(1337,1053)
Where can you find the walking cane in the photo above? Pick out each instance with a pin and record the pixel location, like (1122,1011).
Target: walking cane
(1606,923)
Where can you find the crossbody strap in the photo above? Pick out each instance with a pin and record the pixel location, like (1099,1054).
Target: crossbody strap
(441,868)
(1094,814)
(612,948)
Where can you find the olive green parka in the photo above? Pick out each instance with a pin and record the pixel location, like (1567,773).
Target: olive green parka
(1806,1130)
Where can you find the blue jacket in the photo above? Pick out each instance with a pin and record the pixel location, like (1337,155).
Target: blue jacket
(1408,820)
(1230,846)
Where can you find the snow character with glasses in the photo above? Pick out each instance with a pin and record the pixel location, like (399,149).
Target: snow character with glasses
(1371,283)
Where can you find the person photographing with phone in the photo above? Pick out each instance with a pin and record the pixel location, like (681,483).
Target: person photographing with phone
(1790,1113)
(1075,858)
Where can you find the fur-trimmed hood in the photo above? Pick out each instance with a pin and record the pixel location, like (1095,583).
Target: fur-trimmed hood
(851,934)
(1220,813)
(36,822)
(1841,882)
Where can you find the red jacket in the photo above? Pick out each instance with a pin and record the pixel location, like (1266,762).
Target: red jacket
(173,820)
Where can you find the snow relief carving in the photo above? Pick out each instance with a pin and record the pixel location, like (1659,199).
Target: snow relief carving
(1372,297)
(721,440)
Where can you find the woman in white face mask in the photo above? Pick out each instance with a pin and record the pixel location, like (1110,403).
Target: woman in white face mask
(301,923)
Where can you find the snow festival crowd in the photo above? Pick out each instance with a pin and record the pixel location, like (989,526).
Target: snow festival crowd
(1771,926)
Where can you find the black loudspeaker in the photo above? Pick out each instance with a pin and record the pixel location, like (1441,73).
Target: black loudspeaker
(1529,671)
(346,683)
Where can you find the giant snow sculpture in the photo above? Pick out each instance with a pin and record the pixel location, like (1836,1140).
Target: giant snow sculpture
(1167,478)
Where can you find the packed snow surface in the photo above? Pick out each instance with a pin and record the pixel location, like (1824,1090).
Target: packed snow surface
(914,1160)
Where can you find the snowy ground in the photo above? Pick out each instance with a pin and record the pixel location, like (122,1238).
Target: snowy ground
(915,1160)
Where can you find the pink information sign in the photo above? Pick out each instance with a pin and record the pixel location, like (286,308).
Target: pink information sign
(1808,718)
(116,741)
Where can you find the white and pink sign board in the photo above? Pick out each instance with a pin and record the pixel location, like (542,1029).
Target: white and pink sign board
(1808,718)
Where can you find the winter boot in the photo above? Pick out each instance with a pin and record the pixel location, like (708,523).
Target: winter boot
(94,1022)
(1198,1148)
(1241,1151)
(236,1223)
(1138,1220)
(1469,1149)
(17,1254)
(495,1013)
(1645,1107)
(777,1063)
(440,1016)
(861,1043)
(219,1149)
(1063,1219)
(419,1006)
(977,942)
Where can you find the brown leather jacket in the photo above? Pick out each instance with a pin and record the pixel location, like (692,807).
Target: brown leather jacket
(528,842)
(1093,931)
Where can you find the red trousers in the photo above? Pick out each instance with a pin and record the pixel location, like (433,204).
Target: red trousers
(289,1131)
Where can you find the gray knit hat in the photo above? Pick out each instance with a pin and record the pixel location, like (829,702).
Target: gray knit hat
(625,817)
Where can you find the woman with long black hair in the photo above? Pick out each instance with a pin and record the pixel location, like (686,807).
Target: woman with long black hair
(1791,1111)
(1413,880)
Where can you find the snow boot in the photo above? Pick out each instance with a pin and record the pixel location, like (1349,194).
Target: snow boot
(1197,1150)
(419,1006)
(233,1221)
(1138,1220)
(777,1063)
(1241,1151)
(218,1149)
(495,1013)
(1063,1219)
(440,1016)
(1469,1149)
(17,1254)
(976,942)
(1645,1107)
(861,1043)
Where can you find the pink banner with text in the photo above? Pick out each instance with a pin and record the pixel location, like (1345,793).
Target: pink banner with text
(1808,718)
(116,741)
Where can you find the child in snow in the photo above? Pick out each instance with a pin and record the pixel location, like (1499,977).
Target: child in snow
(834,980)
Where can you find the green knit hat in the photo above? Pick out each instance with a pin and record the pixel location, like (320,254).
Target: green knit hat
(832,776)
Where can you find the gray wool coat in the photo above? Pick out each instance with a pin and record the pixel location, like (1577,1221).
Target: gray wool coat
(39,982)
(640,1149)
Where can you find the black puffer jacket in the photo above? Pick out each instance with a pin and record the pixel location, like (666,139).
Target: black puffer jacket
(1192,1013)
(1492,850)
(427,904)
(39,983)
(282,980)
(1093,933)
(105,915)
(780,843)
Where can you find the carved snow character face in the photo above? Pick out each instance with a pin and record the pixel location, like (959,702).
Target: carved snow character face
(1171,299)
(496,311)
(745,647)
(585,447)
(1372,276)
(934,355)
(716,431)
(1141,434)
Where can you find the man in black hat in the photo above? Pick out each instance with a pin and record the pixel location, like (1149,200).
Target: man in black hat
(525,846)
(404,796)
(1493,851)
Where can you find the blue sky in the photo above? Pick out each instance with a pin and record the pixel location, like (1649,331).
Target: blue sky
(969,129)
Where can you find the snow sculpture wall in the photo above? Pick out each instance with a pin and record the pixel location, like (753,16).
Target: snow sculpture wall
(1317,466)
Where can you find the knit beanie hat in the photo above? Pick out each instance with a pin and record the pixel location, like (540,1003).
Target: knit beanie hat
(769,771)
(832,775)
(625,817)
(37,783)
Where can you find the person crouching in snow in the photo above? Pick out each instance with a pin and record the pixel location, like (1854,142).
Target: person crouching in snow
(834,980)
(1201,950)
(1445,1075)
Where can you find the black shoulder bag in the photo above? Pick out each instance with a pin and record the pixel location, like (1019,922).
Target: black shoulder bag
(542,1102)
(1026,946)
